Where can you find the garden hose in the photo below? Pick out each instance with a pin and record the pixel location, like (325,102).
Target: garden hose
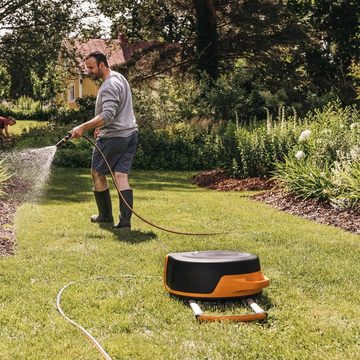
(100,349)
(92,339)
(61,142)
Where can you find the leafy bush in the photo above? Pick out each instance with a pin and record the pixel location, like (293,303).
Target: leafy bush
(86,108)
(26,108)
(65,116)
(179,146)
(75,154)
(41,136)
(325,162)
(305,179)
(167,102)
(86,103)
(253,150)
(234,95)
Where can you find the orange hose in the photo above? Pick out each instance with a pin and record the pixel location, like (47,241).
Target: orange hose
(133,211)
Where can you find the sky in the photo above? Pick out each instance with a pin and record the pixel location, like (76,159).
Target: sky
(104,21)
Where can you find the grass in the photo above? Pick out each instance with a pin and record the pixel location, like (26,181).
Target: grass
(312,301)
(21,125)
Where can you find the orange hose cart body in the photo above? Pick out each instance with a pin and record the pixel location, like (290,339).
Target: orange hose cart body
(214,275)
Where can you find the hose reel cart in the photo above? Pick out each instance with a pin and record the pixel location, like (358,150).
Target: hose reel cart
(216,275)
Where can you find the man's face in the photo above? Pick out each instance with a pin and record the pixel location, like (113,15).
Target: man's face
(95,71)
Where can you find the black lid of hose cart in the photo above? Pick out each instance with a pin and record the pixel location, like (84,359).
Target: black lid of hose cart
(200,271)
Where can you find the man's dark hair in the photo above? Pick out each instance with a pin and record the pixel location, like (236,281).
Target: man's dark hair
(99,57)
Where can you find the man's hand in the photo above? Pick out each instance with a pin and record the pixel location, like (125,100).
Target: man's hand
(77,131)
(96,132)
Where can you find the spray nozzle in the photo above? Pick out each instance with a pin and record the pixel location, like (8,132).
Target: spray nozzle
(63,140)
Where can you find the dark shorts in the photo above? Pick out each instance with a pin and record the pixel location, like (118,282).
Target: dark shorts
(119,152)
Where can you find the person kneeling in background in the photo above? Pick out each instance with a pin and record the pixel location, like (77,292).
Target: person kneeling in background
(5,122)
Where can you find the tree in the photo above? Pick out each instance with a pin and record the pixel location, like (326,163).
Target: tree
(5,83)
(211,34)
(53,82)
(304,49)
(333,26)
(32,32)
(206,37)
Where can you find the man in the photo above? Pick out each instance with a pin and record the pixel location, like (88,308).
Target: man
(5,122)
(117,136)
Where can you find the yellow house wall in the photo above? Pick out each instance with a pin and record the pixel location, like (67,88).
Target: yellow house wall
(89,88)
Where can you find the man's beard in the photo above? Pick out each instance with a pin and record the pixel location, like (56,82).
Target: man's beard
(95,76)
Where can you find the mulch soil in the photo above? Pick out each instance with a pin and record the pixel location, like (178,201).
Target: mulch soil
(277,197)
(217,180)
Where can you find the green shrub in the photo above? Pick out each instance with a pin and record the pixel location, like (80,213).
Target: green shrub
(75,154)
(328,157)
(37,137)
(179,146)
(168,101)
(67,116)
(350,187)
(305,179)
(26,108)
(252,151)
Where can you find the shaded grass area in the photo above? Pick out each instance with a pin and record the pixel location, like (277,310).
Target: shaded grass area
(312,300)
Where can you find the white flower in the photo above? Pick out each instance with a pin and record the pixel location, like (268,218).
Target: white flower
(355,153)
(305,135)
(354,125)
(299,155)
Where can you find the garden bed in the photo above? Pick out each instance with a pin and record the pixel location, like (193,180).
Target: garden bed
(7,233)
(311,209)
(14,189)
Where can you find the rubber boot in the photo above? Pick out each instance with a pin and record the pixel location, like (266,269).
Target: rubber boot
(125,212)
(103,202)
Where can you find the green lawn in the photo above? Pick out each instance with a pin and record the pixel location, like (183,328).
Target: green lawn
(312,301)
(25,124)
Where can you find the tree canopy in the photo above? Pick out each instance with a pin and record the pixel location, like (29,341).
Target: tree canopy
(31,34)
(292,47)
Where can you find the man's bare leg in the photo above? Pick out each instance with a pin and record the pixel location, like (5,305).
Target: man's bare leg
(122,182)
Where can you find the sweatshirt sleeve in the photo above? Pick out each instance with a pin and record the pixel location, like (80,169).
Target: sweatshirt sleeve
(110,99)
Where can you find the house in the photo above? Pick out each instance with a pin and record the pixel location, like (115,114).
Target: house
(78,83)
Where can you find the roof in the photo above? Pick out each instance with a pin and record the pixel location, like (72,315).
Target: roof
(111,48)
(118,51)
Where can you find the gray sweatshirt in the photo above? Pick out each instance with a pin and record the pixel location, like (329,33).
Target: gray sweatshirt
(114,105)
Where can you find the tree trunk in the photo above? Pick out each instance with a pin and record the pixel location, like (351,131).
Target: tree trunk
(207,37)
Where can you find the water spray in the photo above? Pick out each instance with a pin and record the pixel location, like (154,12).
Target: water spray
(65,139)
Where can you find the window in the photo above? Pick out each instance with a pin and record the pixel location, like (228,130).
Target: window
(72,92)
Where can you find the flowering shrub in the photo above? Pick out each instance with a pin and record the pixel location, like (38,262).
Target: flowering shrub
(325,163)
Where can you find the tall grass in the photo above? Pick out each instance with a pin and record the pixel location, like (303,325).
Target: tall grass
(4,176)
(259,147)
